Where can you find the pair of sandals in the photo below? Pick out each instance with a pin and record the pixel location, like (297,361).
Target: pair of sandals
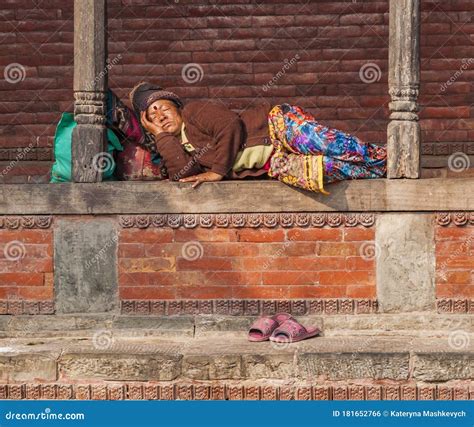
(280,328)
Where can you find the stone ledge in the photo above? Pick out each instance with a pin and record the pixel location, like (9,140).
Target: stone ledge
(378,195)
(223,357)
(189,326)
(239,390)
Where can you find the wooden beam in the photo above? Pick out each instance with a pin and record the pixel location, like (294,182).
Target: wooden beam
(90,82)
(403,132)
(437,194)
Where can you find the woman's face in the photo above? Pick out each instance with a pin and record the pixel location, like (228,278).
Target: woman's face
(165,114)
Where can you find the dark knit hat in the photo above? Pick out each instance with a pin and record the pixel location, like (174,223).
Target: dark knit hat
(144,94)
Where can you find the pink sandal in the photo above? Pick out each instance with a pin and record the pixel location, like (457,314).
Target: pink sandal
(262,328)
(292,331)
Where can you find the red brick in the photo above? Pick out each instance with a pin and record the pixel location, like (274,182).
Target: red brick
(455,262)
(289,263)
(163,249)
(26,236)
(21,279)
(232,278)
(205,235)
(233,249)
(455,277)
(160,278)
(261,292)
(137,265)
(453,248)
(315,234)
(8,292)
(455,291)
(338,249)
(209,264)
(317,291)
(27,264)
(337,278)
(204,292)
(131,250)
(355,234)
(363,291)
(359,263)
(454,233)
(147,292)
(290,249)
(291,278)
(149,235)
(35,293)
(260,235)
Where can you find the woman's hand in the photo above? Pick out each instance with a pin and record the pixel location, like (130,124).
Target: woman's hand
(151,127)
(202,177)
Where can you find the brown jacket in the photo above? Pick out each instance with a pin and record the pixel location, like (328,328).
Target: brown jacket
(217,134)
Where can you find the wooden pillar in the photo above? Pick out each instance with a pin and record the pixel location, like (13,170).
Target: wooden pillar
(403,133)
(90,83)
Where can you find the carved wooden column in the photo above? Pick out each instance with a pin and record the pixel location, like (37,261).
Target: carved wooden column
(90,82)
(403,133)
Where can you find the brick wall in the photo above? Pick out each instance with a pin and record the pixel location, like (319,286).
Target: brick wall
(240,47)
(251,263)
(26,270)
(454,261)
(247,263)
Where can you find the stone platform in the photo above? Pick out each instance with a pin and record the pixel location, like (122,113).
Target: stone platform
(418,356)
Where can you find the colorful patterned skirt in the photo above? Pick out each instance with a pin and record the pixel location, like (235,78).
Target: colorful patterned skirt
(308,155)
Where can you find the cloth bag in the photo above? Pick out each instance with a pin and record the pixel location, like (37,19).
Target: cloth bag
(62,167)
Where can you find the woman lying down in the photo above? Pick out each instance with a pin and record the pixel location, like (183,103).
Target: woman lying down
(204,141)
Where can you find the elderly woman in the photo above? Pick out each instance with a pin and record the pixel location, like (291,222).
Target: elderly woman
(204,141)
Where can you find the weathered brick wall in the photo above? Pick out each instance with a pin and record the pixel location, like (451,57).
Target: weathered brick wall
(247,263)
(26,265)
(232,263)
(455,259)
(240,47)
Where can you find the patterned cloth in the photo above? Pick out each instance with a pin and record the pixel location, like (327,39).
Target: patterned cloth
(308,154)
(123,121)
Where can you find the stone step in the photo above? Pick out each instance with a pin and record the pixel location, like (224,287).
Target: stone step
(106,357)
(414,324)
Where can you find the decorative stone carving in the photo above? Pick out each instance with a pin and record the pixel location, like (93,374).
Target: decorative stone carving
(27,222)
(242,307)
(254,391)
(18,307)
(456,218)
(252,220)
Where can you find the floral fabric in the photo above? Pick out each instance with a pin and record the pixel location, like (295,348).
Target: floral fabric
(308,154)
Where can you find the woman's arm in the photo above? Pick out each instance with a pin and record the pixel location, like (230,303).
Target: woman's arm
(224,126)
(177,161)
